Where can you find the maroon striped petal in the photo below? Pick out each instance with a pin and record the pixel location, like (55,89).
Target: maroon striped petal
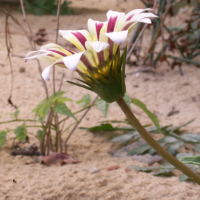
(78,38)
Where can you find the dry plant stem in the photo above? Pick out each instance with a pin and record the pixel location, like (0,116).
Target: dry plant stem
(157,34)
(48,123)
(141,33)
(135,43)
(85,113)
(58,135)
(58,17)
(8,46)
(33,46)
(61,82)
(16,21)
(56,40)
(157,147)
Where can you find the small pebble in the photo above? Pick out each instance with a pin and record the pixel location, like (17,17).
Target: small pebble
(22,69)
(137,74)
(95,170)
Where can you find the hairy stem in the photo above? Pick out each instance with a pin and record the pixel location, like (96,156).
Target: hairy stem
(19,120)
(157,147)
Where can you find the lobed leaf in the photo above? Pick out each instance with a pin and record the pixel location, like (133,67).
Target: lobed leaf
(20,133)
(154,119)
(193,160)
(40,134)
(62,109)
(55,97)
(165,171)
(102,127)
(174,147)
(143,169)
(126,137)
(139,150)
(103,106)
(85,100)
(42,109)
(3,135)
(183,178)
(197,148)
(127,99)
(191,137)
(63,99)
(16,113)
(176,129)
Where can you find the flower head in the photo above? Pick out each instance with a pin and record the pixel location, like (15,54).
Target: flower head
(98,61)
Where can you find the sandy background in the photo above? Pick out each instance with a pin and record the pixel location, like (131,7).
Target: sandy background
(160,89)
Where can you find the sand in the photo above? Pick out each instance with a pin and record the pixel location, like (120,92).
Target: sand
(161,90)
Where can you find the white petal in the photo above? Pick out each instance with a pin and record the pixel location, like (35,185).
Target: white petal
(46,73)
(85,33)
(143,15)
(63,33)
(34,54)
(145,20)
(94,28)
(71,62)
(49,46)
(117,37)
(137,11)
(98,46)
(111,13)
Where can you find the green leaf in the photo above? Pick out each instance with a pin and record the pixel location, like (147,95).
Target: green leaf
(84,101)
(152,151)
(183,178)
(197,148)
(114,121)
(62,109)
(16,113)
(193,160)
(20,133)
(164,171)
(42,109)
(2,138)
(173,148)
(150,114)
(191,137)
(102,106)
(176,129)
(127,99)
(177,5)
(139,150)
(63,99)
(40,134)
(180,155)
(168,139)
(39,106)
(102,127)
(143,169)
(81,85)
(55,97)
(126,137)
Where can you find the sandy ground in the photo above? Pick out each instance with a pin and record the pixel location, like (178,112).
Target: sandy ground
(161,90)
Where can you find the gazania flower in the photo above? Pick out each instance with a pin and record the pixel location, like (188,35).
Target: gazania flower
(98,61)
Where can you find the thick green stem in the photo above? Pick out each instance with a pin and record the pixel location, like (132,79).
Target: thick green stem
(158,148)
